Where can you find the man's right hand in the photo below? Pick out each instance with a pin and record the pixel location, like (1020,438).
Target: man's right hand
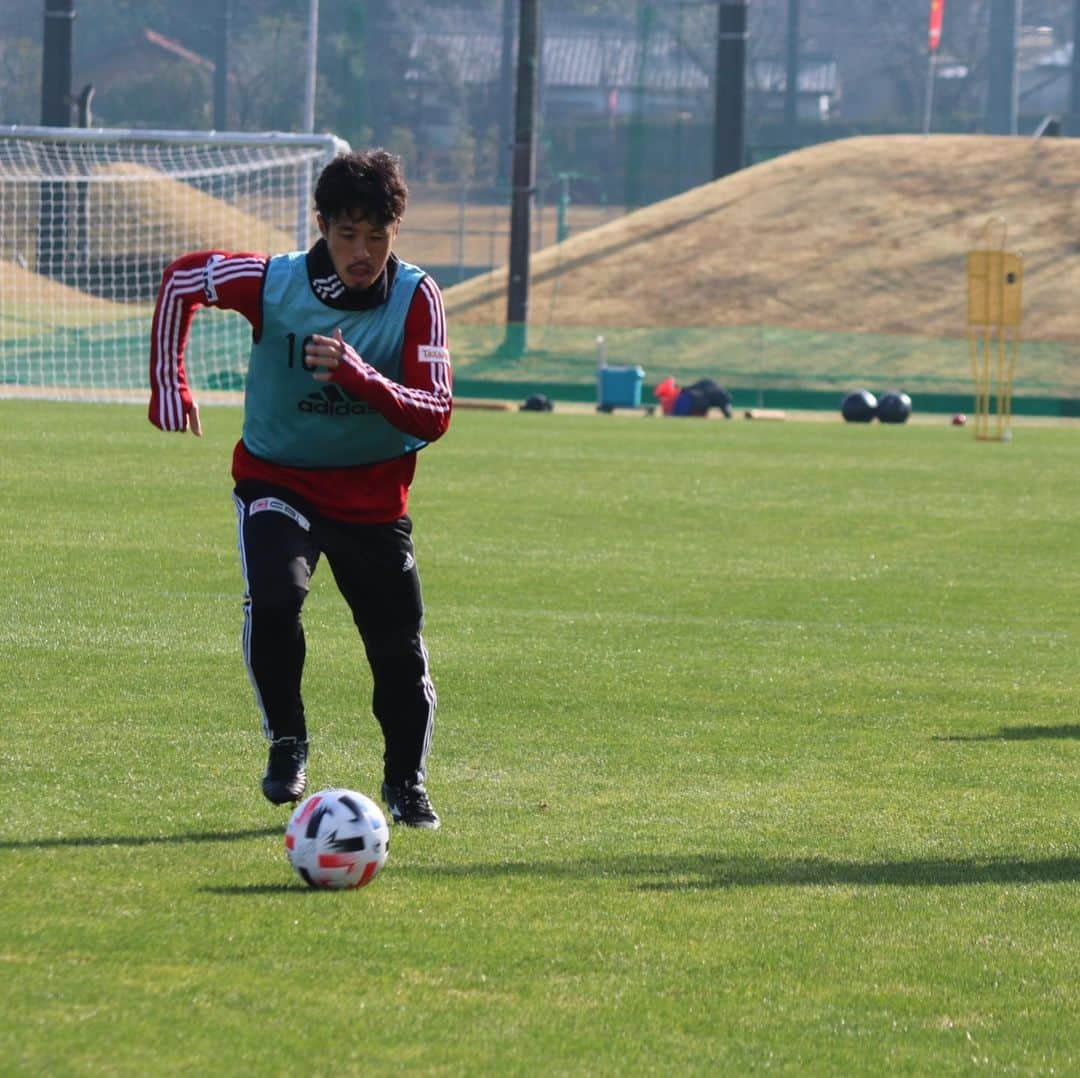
(192,421)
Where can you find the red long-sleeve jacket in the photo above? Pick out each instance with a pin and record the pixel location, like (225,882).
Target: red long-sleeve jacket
(420,404)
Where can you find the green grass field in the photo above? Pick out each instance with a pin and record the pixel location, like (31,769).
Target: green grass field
(758,749)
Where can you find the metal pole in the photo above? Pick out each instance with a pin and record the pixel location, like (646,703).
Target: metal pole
(463,198)
(1072,126)
(635,131)
(312,65)
(80,253)
(728,145)
(56,63)
(1001,98)
(561,229)
(522,179)
(506,92)
(929,111)
(303,210)
(221,67)
(54,205)
(84,104)
(791,84)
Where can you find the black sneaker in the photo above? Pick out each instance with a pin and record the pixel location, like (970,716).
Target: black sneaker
(409,804)
(286,771)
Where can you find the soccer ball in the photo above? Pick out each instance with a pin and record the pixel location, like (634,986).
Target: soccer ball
(337,839)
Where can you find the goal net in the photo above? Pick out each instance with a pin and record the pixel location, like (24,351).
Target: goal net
(89,219)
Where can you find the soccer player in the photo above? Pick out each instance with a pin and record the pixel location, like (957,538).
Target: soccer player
(348,378)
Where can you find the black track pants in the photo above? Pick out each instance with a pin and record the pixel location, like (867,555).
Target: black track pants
(281,541)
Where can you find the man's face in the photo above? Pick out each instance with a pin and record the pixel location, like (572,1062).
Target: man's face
(358,247)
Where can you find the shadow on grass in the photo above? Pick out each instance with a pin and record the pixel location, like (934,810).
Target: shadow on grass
(137,840)
(294,888)
(1020,733)
(692,872)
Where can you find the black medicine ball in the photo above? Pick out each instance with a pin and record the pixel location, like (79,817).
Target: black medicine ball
(859,407)
(894,407)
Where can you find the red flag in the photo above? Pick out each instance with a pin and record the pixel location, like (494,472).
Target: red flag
(937,9)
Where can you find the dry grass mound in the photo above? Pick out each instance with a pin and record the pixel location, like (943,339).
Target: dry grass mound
(139,212)
(866,235)
(44,305)
(145,206)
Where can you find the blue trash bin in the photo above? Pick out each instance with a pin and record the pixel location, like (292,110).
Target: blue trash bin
(619,387)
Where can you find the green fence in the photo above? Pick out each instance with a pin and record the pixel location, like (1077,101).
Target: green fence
(761,366)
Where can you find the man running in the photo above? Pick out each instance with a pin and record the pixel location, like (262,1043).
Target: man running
(348,378)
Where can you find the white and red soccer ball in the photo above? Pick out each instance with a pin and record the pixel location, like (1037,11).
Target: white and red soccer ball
(337,839)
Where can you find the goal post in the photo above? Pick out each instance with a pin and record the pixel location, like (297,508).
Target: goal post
(89,219)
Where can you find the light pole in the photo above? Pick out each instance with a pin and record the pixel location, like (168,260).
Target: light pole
(791,83)
(312,65)
(56,63)
(54,206)
(221,67)
(522,179)
(1001,99)
(730,86)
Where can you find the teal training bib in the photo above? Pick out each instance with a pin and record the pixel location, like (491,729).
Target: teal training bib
(291,419)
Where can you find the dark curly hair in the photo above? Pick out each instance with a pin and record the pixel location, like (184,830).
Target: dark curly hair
(364,183)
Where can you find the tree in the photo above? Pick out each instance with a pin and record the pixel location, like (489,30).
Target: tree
(175,95)
(266,80)
(20,81)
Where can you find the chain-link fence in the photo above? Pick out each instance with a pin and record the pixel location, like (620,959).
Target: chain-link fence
(627,111)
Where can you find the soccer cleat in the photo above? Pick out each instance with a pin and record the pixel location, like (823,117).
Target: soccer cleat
(286,771)
(409,804)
